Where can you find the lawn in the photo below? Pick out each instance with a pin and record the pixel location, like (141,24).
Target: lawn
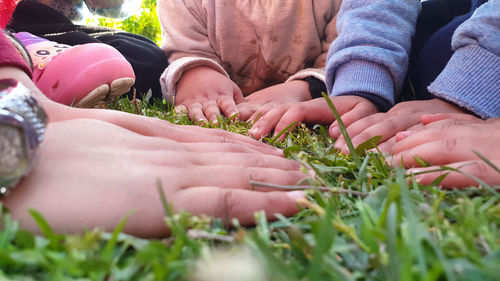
(363,220)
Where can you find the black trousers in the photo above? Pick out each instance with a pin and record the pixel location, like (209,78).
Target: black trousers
(146,58)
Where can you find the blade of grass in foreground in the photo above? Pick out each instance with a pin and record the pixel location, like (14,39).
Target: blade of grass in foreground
(343,130)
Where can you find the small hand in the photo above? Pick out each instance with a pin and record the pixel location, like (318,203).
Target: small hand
(314,111)
(98,172)
(204,93)
(401,117)
(451,142)
(261,101)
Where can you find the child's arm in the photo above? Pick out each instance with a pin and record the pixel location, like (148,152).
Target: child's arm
(469,81)
(187,45)
(471,77)
(370,56)
(367,61)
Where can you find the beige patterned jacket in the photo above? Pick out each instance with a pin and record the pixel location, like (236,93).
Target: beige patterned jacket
(256,43)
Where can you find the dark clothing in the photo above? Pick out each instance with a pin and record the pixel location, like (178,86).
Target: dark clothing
(431,46)
(146,58)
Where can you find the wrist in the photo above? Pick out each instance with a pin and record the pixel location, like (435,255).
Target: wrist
(22,124)
(303,88)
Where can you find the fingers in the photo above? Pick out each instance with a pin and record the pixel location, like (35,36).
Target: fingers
(313,111)
(206,147)
(358,112)
(176,157)
(181,109)
(265,124)
(228,106)
(357,126)
(237,177)
(244,159)
(207,138)
(237,94)
(297,115)
(211,111)
(247,111)
(430,118)
(196,112)
(203,142)
(445,151)
(207,108)
(379,124)
(228,204)
(477,168)
(480,130)
(261,110)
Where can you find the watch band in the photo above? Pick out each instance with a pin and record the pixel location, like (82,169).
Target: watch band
(22,125)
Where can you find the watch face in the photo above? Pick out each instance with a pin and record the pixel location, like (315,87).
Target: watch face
(22,124)
(13,153)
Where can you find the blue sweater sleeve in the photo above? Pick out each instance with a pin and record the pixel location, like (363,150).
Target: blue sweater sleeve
(471,79)
(370,56)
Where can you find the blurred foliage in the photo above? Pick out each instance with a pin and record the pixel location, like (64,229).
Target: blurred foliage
(145,23)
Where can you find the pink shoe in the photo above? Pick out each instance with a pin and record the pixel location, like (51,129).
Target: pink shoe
(81,75)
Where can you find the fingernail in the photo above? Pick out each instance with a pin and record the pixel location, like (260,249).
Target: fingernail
(403,135)
(334,132)
(201,122)
(296,195)
(338,145)
(345,150)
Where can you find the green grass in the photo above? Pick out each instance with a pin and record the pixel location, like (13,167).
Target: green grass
(363,221)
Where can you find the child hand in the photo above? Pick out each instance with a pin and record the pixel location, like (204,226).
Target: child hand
(204,93)
(258,102)
(451,142)
(314,111)
(401,117)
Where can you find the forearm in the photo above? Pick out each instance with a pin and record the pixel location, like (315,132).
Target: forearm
(370,54)
(470,79)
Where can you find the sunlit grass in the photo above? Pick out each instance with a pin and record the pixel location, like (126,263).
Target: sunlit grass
(361,221)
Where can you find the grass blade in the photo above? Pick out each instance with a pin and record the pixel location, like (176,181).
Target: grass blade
(343,130)
(486,161)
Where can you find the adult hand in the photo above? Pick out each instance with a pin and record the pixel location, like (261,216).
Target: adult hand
(90,173)
(204,93)
(314,111)
(262,101)
(452,142)
(401,117)
(139,124)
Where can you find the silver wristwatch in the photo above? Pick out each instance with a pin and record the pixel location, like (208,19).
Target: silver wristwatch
(22,124)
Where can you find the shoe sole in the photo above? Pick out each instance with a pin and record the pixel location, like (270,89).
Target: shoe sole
(97,97)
